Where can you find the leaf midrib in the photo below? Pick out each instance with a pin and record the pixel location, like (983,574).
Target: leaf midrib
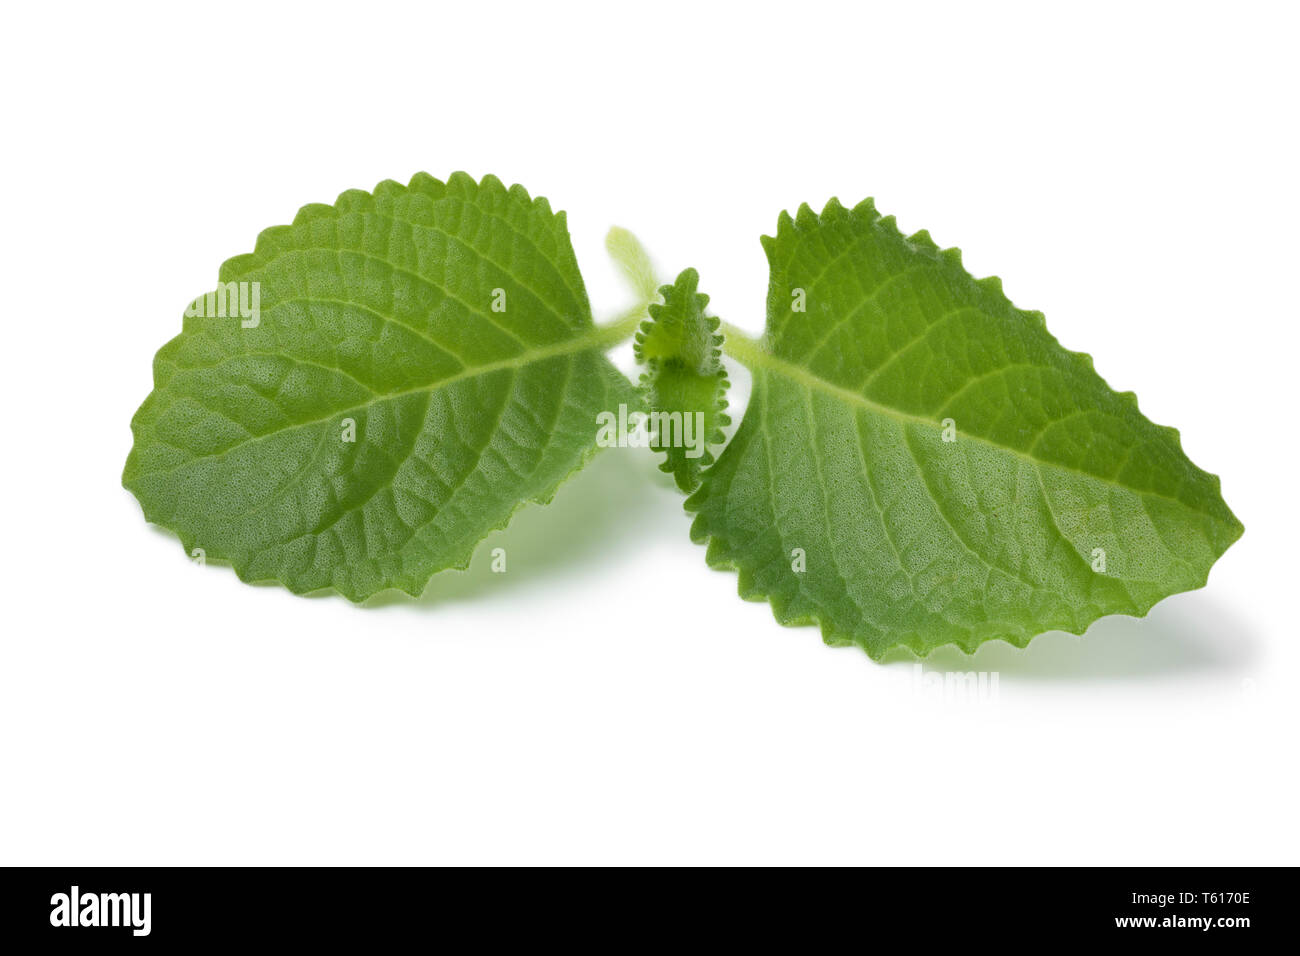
(752,353)
(596,339)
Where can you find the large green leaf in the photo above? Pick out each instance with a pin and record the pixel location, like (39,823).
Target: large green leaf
(448,323)
(841,465)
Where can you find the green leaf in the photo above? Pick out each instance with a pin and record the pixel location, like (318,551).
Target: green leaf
(685,382)
(444,327)
(634,262)
(910,539)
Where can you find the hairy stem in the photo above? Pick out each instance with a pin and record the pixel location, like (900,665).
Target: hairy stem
(622,327)
(744,349)
(633,261)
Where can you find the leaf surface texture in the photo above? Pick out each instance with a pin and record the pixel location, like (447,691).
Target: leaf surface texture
(913,540)
(447,321)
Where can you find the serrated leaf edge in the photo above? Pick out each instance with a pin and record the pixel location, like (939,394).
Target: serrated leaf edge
(235,266)
(804,221)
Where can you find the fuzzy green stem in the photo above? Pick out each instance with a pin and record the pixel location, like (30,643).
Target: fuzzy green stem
(622,327)
(633,261)
(744,349)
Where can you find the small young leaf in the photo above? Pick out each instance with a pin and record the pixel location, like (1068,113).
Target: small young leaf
(404,370)
(685,383)
(922,463)
(634,262)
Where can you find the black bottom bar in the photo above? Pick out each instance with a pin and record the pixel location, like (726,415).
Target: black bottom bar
(372,907)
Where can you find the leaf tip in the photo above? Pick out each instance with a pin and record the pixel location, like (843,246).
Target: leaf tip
(805,218)
(866,210)
(921,240)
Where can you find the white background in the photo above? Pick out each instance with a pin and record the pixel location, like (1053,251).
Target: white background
(1130,170)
